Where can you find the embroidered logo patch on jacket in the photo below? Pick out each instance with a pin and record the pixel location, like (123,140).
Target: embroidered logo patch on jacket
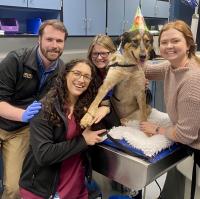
(27,75)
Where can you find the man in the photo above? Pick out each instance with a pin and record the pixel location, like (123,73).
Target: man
(26,75)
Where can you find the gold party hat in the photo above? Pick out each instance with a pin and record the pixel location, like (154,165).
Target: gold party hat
(138,21)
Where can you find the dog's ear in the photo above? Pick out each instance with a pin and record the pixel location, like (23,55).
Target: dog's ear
(150,36)
(125,37)
(122,39)
(152,53)
(117,42)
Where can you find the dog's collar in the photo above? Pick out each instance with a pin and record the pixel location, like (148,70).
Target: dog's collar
(121,65)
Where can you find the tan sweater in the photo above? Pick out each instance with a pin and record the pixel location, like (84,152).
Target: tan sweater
(182,98)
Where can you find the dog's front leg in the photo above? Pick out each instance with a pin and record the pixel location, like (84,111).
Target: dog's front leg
(142,106)
(113,77)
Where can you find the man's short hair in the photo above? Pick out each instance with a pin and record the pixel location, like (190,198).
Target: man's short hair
(58,25)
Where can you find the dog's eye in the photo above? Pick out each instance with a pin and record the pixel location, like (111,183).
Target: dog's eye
(147,42)
(135,42)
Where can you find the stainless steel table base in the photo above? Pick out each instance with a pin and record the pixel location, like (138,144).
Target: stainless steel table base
(130,171)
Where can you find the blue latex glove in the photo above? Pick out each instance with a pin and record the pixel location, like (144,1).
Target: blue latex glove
(31,111)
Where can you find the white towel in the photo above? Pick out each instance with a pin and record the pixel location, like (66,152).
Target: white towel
(139,140)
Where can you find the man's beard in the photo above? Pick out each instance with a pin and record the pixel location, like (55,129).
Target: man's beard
(46,53)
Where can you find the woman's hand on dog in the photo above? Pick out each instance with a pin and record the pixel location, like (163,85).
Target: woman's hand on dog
(94,117)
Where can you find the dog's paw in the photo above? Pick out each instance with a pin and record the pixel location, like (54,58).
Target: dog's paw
(124,121)
(87,120)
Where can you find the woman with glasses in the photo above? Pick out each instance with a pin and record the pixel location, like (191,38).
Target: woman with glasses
(99,50)
(55,166)
(98,54)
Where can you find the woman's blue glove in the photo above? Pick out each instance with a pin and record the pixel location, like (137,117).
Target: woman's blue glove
(31,111)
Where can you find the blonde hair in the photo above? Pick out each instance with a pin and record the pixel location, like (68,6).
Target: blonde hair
(102,40)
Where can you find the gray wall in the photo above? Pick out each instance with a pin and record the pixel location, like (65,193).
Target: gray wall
(75,47)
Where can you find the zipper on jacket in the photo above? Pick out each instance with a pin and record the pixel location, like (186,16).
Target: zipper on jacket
(54,186)
(35,171)
(33,179)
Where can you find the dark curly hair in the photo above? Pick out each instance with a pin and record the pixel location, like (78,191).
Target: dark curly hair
(59,93)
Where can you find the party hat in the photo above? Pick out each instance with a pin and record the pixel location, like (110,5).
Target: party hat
(138,21)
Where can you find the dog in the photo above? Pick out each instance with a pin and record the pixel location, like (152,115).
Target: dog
(126,75)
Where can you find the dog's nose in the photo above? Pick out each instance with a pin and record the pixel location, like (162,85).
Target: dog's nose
(143,57)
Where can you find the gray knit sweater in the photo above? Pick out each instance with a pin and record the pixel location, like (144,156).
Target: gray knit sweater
(182,98)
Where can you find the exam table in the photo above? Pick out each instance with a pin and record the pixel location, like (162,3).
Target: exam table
(130,171)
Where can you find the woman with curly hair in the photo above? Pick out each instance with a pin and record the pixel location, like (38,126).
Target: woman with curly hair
(55,163)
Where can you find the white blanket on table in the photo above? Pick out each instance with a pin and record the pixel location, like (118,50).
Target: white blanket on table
(139,140)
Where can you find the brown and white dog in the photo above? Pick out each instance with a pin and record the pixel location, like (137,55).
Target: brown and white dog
(125,74)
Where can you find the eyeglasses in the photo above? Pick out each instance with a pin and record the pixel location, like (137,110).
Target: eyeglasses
(77,75)
(102,54)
